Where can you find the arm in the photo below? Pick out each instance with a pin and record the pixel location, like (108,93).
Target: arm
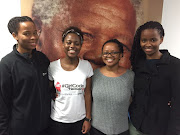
(174,122)
(5,98)
(88,98)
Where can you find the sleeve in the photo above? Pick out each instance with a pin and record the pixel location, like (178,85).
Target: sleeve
(50,73)
(174,121)
(90,70)
(5,98)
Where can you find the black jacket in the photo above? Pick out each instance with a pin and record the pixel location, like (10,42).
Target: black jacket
(24,93)
(153,89)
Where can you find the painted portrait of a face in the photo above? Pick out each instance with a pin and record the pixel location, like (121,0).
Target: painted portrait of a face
(99,20)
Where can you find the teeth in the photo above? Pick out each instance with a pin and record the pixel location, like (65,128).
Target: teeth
(71,51)
(109,60)
(148,49)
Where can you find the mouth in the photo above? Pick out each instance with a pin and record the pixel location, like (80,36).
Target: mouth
(72,51)
(33,43)
(147,49)
(109,60)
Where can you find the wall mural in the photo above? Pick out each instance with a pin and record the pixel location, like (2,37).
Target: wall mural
(100,20)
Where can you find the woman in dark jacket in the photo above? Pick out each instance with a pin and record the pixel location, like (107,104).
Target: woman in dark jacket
(155,109)
(24,85)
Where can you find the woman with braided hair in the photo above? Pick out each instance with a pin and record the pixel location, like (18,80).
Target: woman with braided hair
(155,106)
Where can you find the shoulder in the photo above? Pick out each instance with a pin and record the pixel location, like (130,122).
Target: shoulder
(174,60)
(96,71)
(8,59)
(7,62)
(85,63)
(130,73)
(41,55)
(41,58)
(54,63)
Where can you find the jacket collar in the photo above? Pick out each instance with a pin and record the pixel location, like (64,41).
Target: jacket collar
(24,55)
(164,60)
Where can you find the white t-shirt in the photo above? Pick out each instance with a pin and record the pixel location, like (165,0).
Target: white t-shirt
(69,105)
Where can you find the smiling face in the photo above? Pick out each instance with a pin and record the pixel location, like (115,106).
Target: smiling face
(150,41)
(72,45)
(111,54)
(99,21)
(26,37)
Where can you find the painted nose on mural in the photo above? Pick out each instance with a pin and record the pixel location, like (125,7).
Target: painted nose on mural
(94,57)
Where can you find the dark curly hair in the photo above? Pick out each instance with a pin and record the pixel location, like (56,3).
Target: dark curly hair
(137,52)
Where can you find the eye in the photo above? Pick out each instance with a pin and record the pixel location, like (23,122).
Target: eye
(105,53)
(115,53)
(35,33)
(153,39)
(68,42)
(143,40)
(88,37)
(77,43)
(26,33)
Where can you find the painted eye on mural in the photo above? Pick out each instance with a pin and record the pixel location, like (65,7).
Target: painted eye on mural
(88,38)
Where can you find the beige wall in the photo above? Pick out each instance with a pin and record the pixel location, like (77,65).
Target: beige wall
(26,6)
(152,10)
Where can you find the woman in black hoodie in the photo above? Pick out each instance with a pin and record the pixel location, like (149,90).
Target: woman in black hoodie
(155,109)
(24,85)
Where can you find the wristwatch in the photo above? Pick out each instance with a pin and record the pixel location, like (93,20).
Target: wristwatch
(86,119)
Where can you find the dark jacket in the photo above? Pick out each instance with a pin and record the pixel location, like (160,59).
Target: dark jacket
(153,88)
(24,93)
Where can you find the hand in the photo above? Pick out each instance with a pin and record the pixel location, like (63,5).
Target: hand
(86,127)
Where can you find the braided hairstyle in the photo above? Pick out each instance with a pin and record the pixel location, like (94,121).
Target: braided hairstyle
(136,52)
(13,24)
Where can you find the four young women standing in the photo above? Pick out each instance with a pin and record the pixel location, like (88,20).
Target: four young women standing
(154,109)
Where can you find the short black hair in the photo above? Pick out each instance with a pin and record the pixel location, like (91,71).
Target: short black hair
(13,24)
(120,45)
(75,30)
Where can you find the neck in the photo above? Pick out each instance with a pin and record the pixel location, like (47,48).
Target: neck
(155,56)
(71,61)
(112,69)
(21,51)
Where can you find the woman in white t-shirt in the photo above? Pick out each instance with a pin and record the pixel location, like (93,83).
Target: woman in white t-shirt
(71,76)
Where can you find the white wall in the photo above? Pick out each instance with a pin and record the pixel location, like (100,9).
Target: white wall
(171,24)
(8,9)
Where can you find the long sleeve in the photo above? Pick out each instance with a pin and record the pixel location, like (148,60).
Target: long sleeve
(5,98)
(174,122)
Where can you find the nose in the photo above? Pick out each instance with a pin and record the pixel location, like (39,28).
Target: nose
(92,52)
(148,43)
(34,36)
(72,45)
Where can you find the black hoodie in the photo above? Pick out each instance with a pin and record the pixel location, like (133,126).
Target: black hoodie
(24,93)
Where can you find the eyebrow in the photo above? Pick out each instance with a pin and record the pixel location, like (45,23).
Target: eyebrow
(85,33)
